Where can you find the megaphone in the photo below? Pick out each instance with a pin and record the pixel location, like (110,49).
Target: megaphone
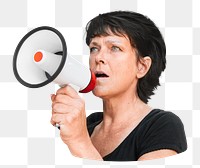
(41,57)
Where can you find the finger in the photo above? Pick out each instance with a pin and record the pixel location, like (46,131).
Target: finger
(57,119)
(68,90)
(62,108)
(60,98)
(52,122)
(53,96)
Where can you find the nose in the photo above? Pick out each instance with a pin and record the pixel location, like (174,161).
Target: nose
(101,57)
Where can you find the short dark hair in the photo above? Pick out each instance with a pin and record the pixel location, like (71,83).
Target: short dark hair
(144,36)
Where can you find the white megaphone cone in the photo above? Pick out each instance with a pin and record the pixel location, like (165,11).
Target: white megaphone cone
(73,71)
(41,57)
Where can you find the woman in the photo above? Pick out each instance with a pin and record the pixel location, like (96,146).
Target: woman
(127,54)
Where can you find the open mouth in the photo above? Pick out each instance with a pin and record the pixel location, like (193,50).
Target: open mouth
(101,75)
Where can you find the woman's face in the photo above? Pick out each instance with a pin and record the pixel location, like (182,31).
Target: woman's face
(114,61)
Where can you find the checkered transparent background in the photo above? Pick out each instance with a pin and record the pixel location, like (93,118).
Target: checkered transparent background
(28,140)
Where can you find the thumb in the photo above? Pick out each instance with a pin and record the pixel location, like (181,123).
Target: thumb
(53,96)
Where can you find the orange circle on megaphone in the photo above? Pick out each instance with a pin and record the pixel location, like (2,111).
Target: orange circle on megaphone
(38,56)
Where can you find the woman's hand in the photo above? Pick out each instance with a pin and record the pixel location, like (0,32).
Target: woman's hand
(68,110)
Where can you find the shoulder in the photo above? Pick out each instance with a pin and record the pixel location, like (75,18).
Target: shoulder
(160,120)
(158,116)
(162,130)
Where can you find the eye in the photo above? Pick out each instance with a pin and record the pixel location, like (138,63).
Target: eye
(93,49)
(115,48)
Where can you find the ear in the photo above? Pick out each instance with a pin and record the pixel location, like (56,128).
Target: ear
(144,65)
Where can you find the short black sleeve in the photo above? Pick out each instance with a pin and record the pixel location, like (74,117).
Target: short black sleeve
(92,120)
(163,131)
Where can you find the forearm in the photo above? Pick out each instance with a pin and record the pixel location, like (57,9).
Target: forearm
(84,150)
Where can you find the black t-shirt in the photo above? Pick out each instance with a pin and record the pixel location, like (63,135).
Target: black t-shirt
(158,130)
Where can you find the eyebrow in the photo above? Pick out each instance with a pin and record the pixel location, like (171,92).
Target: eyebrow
(107,41)
(114,41)
(94,43)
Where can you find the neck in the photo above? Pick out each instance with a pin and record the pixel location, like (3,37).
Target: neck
(122,108)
